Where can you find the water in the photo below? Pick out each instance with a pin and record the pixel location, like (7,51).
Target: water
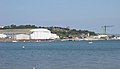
(60,55)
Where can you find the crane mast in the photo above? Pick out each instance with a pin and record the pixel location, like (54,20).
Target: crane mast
(105,28)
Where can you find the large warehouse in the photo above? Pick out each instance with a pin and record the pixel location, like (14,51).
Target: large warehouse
(42,34)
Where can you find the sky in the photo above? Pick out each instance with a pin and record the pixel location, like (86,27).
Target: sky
(78,14)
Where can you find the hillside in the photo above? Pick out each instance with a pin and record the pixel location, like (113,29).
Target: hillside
(62,32)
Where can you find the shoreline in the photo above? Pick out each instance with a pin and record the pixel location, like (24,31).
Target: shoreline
(61,40)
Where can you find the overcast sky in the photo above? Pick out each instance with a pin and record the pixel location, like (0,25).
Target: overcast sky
(78,14)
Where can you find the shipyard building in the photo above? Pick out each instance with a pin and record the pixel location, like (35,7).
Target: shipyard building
(42,34)
(28,34)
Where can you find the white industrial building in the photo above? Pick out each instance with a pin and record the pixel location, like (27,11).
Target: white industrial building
(3,36)
(22,37)
(39,34)
(118,38)
(101,36)
(54,36)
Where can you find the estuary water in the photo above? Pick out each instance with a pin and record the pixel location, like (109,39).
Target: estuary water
(60,55)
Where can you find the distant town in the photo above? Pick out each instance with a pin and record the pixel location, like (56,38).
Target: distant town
(32,33)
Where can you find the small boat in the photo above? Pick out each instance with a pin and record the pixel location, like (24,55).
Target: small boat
(33,67)
(23,47)
(90,42)
(14,41)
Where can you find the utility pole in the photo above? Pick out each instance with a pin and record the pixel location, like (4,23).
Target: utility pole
(105,28)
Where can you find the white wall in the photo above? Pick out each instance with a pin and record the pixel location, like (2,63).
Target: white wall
(22,37)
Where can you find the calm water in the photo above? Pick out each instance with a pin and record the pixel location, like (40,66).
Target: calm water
(60,55)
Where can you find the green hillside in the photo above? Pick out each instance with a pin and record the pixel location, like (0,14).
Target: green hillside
(62,32)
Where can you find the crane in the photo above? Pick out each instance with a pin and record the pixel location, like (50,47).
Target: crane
(105,28)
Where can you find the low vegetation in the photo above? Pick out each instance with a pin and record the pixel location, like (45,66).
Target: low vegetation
(62,32)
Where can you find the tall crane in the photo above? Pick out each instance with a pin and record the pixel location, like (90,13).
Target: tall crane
(105,28)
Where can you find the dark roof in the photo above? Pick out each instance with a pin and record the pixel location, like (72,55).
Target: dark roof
(15,31)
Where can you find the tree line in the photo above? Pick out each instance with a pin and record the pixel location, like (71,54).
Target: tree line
(64,32)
